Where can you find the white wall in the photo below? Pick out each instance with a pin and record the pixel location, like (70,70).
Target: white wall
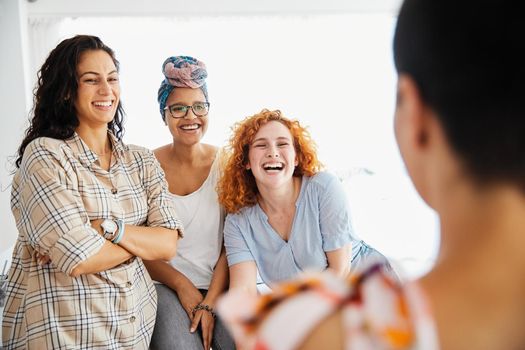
(22,54)
(115,8)
(332,72)
(14,99)
(365,125)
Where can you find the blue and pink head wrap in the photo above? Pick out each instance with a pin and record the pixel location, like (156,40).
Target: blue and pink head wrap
(181,71)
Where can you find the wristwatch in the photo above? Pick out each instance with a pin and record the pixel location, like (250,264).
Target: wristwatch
(109,228)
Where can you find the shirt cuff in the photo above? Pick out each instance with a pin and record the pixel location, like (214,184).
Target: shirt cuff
(334,242)
(162,218)
(237,258)
(76,246)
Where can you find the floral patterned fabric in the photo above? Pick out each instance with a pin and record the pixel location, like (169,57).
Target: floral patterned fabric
(377,312)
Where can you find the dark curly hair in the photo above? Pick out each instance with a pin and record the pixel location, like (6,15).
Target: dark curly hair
(53,113)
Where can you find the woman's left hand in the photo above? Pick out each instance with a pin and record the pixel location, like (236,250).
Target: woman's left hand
(205,318)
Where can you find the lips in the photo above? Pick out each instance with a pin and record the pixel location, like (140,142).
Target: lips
(190,127)
(104,106)
(103,103)
(273,166)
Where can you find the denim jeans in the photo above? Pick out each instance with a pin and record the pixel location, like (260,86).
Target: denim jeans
(172,326)
(364,256)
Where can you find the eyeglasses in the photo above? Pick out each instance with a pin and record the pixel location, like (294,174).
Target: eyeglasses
(200,109)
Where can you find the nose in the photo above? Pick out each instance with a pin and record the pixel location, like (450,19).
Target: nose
(190,115)
(105,88)
(272,152)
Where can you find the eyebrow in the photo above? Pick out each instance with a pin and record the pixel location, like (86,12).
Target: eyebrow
(184,104)
(280,138)
(95,73)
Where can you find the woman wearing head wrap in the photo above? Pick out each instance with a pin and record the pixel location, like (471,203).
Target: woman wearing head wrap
(192,281)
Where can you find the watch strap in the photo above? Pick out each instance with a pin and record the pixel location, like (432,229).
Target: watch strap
(120,231)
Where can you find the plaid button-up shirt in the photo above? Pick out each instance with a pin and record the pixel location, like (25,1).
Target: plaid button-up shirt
(58,189)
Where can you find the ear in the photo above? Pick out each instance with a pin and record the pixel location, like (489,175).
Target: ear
(411,117)
(248,166)
(415,129)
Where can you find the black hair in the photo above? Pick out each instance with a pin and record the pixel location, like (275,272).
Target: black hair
(467,60)
(53,113)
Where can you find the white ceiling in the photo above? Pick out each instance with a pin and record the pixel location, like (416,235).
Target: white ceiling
(80,8)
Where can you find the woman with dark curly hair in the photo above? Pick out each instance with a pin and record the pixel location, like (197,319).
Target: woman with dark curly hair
(88,209)
(285,215)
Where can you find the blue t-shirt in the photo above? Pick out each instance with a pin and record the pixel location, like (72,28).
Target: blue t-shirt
(321,224)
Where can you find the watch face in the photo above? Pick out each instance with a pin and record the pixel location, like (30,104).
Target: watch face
(109,226)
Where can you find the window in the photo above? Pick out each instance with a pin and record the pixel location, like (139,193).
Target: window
(332,72)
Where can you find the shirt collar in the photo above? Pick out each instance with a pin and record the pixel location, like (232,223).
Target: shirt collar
(85,155)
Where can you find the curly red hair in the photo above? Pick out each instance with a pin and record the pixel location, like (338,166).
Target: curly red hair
(237,188)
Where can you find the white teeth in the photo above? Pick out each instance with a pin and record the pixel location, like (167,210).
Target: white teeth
(190,127)
(103,104)
(273,166)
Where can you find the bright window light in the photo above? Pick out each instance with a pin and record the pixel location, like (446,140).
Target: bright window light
(332,72)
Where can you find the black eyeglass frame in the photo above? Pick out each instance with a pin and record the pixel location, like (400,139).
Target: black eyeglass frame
(207,104)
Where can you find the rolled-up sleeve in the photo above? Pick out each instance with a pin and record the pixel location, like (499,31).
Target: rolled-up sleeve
(54,220)
(334,214)
(161,212)
(237,250)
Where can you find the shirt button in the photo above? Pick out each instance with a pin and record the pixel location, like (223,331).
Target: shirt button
(129,284)
(114,191)
(132,319)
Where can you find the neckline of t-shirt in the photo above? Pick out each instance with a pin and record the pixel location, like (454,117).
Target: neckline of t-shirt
(212,170)
(304,180)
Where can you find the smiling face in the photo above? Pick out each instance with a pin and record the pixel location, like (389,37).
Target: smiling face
(271,157)
(98,89)
(190,129)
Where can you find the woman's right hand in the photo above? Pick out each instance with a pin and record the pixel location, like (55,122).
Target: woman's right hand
(42,259)
(189,295)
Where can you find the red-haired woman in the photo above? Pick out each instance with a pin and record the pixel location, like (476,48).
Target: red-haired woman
(285,215)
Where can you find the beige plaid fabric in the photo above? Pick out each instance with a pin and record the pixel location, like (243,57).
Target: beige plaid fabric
(58,189)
